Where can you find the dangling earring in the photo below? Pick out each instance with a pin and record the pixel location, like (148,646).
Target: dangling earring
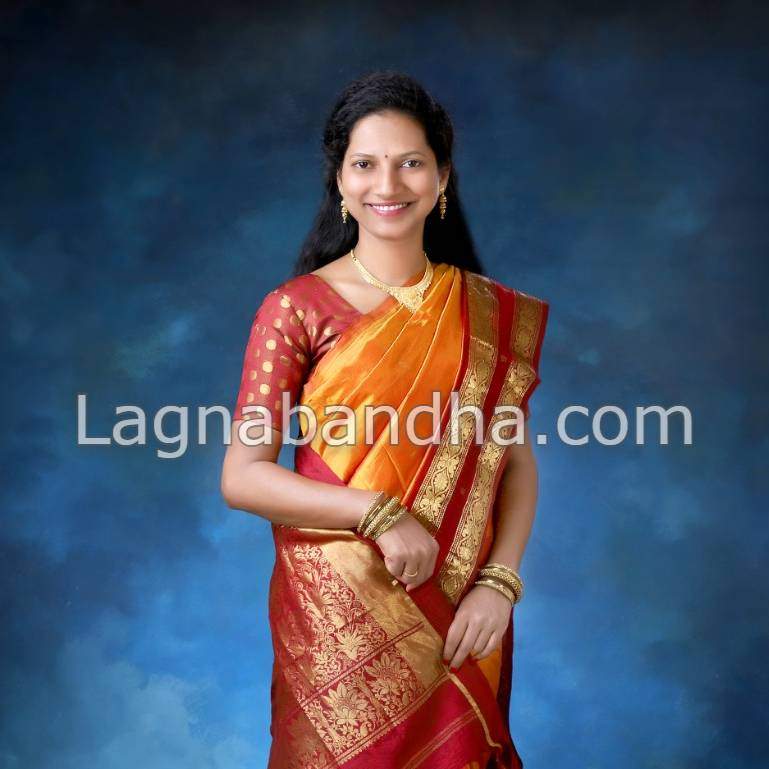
(344,212)
(442,203)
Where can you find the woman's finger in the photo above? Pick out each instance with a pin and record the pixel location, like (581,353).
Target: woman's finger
(394,565)
(411,570)
(467,643)
(412,575)
(481,642)
(454,636)
(488,647)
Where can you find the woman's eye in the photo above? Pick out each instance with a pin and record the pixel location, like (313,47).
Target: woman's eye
(357,163)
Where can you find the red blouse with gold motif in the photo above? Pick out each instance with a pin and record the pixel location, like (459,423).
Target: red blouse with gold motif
(296,324)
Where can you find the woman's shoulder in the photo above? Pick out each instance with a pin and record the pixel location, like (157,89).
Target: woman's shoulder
(293,293)
(505,289)
(290,287)
(307,307)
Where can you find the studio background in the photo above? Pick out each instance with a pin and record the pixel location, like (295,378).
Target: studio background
(160,168)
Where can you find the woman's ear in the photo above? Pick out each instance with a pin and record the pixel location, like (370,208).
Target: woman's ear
(444,175)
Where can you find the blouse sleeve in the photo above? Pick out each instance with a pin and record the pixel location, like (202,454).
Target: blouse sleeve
(276,360)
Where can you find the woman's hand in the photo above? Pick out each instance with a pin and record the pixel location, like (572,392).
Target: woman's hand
(479,624)
(409,548)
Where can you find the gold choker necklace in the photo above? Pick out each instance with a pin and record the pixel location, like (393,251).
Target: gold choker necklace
(409,296)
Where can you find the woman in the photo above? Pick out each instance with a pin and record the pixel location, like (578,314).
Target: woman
(392,649)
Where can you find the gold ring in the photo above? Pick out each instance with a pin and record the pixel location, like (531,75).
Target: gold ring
(406,574)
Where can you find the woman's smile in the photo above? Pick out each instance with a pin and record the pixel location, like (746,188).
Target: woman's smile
(388,210)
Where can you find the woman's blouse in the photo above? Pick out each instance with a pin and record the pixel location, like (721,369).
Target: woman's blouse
(296,324)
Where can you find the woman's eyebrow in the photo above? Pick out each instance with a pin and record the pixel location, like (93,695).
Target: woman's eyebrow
(403,154)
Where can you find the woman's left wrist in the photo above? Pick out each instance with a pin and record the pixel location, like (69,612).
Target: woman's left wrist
(502,577)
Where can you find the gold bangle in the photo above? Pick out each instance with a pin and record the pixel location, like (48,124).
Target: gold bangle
(372,507)
(373,512)
(388,522)
(503,569)
(380,515)
(499,587)
(505,574)
(515,586)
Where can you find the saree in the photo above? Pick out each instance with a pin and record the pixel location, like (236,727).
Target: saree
(358,678)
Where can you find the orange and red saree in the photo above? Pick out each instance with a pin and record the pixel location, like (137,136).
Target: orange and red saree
(358,678)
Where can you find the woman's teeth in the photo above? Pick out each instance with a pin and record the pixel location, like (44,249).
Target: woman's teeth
(389,208)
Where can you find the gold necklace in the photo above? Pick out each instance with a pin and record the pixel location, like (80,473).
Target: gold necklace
(409,296)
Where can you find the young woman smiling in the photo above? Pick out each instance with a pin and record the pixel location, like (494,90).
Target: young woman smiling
(391,600)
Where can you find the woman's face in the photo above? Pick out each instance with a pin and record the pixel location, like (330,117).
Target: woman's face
(388,160)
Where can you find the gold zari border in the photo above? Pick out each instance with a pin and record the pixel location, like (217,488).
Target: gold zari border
(461,558)
(437,488)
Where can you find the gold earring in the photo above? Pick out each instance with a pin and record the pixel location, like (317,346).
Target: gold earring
(344,212)
(442,202)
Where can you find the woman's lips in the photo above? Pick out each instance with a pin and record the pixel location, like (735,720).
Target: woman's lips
(388,211)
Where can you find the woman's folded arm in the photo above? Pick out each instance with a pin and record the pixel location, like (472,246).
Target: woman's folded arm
(516,504)
(253,481)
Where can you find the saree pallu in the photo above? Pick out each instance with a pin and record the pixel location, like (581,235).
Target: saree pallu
(359,678)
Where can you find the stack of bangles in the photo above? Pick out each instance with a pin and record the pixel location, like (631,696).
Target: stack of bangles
(502,578)
(383,512)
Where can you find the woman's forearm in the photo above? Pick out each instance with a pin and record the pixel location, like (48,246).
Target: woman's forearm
(284,497)
(516,506)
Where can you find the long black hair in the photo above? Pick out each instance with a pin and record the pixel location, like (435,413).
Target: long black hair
(445,240)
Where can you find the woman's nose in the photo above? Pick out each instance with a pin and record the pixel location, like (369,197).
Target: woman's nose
(387,183)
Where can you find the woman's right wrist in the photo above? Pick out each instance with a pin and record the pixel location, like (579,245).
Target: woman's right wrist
(382,513)
(360,500)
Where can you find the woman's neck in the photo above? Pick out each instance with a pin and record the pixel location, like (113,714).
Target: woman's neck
(392,263)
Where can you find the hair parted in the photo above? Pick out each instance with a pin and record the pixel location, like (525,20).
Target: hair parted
(448,240)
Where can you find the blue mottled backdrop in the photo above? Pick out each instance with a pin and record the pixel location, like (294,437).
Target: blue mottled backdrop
(159,167)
